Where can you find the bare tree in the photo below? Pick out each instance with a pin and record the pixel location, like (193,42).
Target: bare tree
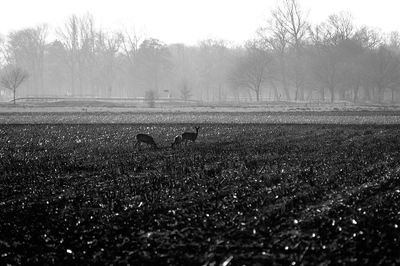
(107,48)
(130,44)
(368,38)
(186,93)
(153,65)
(252,70)
(150,97)
(291,19)
(57,74)
(276,37)
(213,60)
(79,39)
(12,77)
(340,27)
(4,53)
(335,55)
(384,70)
(88,64)
(184,72)
(69,37)
(26,48)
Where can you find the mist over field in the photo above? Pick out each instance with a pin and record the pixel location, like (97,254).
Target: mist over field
(289,59)
(117,148)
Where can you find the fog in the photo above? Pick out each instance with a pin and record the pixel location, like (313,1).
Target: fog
(289,58)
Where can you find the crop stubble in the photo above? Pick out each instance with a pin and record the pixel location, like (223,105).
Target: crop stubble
(280,194)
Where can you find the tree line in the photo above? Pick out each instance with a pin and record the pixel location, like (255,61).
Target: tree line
(289,59)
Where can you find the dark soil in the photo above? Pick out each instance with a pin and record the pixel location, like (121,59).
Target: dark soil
(242,194)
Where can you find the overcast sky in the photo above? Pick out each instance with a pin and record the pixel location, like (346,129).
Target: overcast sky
(188,21)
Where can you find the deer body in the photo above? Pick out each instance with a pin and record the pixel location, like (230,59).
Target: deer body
(177,141)
(144,138)
(192,136)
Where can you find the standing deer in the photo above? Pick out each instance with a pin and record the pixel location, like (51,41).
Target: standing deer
(177,141)
(192,136)
(144,138)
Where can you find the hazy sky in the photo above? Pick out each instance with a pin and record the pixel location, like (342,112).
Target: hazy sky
(188,21)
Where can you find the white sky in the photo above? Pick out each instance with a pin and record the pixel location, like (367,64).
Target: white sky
(188,21)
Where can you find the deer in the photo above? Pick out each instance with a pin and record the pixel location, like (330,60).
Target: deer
(177,141)
(144,138)
(192,136)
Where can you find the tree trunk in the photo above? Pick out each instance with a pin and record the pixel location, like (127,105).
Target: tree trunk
(275,90)
(381,94)
(14,90)
(296,95)
(367,93)
(72,91)
(322,91)
(355,95)
(332,90)
(342,94)
(299,93)
(287,93)
(392,95)
(298,79)
(250,98)
(284,80)
(276,93)
(355,90)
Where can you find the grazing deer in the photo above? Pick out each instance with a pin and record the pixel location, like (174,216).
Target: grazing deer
(192,136)
(144,138)
(177,141)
